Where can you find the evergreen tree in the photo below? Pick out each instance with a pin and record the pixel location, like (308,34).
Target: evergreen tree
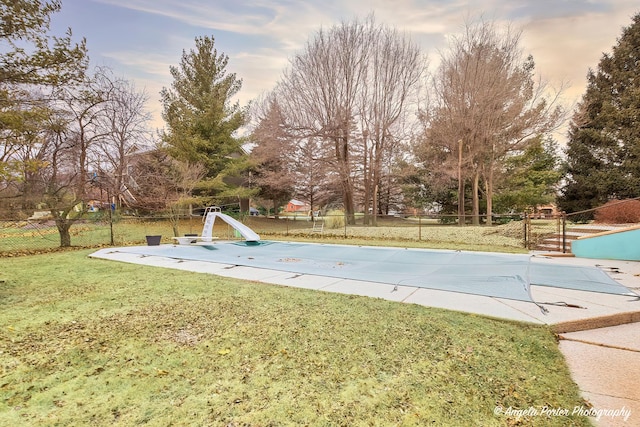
(201,119)
(31,62)
(30,55)
(530,178)
(603,152)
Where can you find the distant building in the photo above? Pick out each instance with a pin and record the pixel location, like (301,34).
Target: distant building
(297,206)
(545,211)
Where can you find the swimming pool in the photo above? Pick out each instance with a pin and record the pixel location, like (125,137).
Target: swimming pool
(508,276)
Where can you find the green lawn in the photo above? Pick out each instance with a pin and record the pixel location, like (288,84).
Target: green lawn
(93,342)
(21,237)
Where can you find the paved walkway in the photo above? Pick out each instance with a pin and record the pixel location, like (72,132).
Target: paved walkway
(605,363)
(599,333)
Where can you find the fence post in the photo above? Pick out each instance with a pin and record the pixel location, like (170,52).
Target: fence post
(345,224)
(111,222)
(564,232)
(419,227)
(526,241)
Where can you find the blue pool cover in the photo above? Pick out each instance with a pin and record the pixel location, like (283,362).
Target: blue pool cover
(489,274)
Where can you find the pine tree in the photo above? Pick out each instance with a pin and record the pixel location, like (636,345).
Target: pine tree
(32,56)
(603,152)
(530,178)
(32,61)
(201,119)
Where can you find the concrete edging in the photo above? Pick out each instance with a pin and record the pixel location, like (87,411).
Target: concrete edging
(596,322)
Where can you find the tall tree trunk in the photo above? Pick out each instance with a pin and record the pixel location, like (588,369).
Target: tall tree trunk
(376,179)
(476,198)
(461,219)
(311,207)
(367,182)
(342,154)
(63,225)
(489,191)
(375,205)
(347,199)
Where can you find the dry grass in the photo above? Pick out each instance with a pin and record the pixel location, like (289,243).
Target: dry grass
(94,342)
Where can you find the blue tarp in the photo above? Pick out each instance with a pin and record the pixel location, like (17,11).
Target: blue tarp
(489,274)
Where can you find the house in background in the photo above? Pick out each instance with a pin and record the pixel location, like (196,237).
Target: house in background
(545,211)
(297,206)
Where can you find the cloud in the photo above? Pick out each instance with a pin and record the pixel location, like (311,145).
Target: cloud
(566,47)
(247,18)
(566,37)
(150,64)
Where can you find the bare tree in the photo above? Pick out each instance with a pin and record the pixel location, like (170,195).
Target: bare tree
(394,71)
(320,93)
(287,163)
(351,90)
(488,105)
(73,132)
(73,148)
(124,130)
(271,155)
(314,181)
(162,183)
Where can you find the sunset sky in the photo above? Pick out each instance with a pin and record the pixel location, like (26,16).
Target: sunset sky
(141,39)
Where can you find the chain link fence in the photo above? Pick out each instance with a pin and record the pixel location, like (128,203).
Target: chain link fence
(552,233)
(32,236)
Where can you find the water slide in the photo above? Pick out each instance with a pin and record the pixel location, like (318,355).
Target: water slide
(210,219)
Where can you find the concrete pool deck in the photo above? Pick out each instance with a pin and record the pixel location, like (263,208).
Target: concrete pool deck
(599,333)
(567,310)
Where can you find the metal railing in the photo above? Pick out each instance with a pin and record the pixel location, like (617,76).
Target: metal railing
(566,228)
(548,232)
